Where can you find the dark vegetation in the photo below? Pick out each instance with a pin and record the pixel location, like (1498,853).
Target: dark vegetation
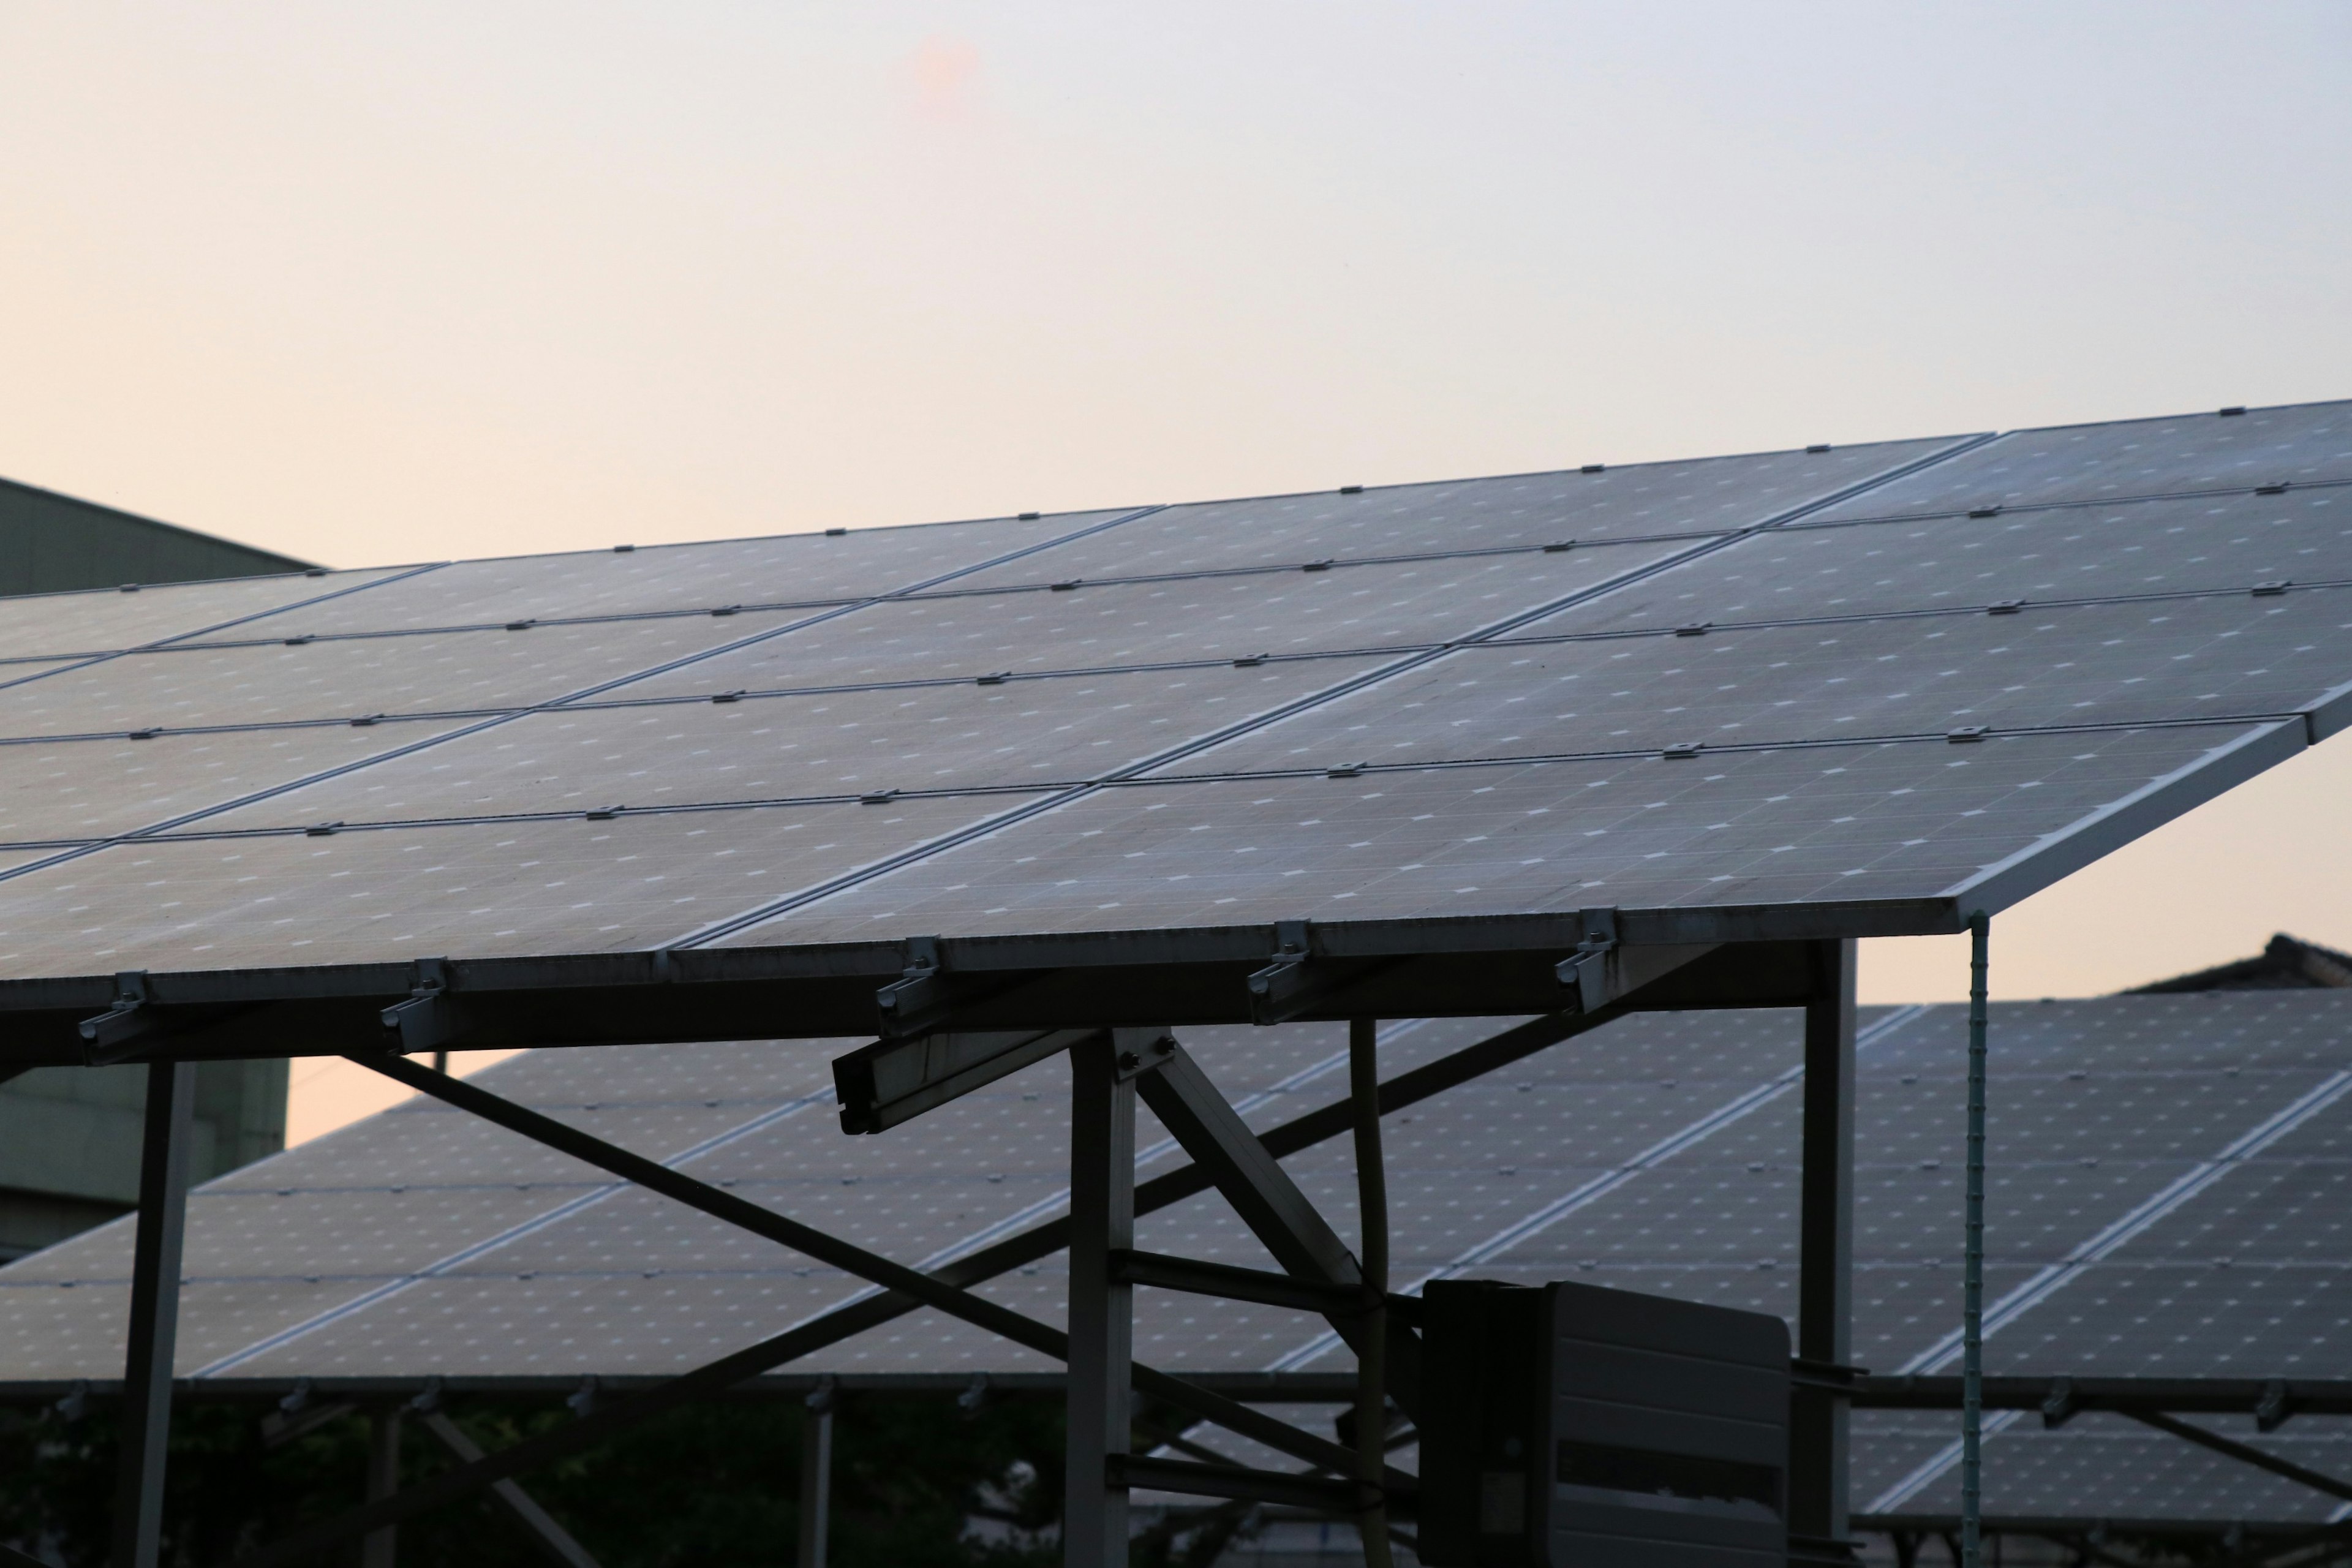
(918,1483)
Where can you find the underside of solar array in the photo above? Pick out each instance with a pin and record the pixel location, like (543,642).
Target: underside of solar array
(1837,691)
(2167,1201)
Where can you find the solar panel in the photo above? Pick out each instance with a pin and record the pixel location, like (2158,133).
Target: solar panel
(1161,718)
(108,619)
(2166,1181)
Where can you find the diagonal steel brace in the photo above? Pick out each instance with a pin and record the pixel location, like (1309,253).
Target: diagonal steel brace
(845,1322)
(1270,1203)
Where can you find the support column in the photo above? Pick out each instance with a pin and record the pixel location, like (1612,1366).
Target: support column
(1371,1355)
(1818,1477)
(154,1314)
(1102,1325)
(380,1548)
(817,1475)
(1972,1260)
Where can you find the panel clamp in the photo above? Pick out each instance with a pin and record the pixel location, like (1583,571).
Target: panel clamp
(121,1029)
(1588,968)
(423,1021)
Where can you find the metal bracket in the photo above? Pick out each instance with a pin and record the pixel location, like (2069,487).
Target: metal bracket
(1588,970)
(425,1022)
(917,999)
(2061,1405)
(122,1029)
(2272,1411)
(896,1080)
(1298,979)
(1226,1282)
(1139,1051)
(1275,990)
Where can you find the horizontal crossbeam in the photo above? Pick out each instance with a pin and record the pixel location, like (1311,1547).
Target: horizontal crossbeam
(1325,1493)
(1428,969)
(2176,1395)
(1229,1283)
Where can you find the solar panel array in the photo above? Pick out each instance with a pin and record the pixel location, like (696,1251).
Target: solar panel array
(1732,681)
(2168,1198)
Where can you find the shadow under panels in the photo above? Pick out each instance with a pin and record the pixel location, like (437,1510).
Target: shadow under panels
(2227,544)
(2061,665)
(104,619)
(1091,626)
(2133,457)
(794,567)
(1909,820)
(431,672)
(1024,734)
(1522,511)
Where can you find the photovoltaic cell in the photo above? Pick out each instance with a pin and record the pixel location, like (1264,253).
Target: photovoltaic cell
(797,567)
(560,886)
(2299,445)
(432,673)
(1213,618)
(88,789)
(1022,733)
(2227,544)
(41,626)
(1639,832)
(2060,665)
(1517,512)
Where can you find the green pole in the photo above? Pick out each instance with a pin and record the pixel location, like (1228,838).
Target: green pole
(1973,1262)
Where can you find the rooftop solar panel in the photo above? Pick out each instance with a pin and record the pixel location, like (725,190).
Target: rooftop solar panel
(2165,1186)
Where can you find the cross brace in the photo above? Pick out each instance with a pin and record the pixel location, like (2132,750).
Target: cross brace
(913,1289)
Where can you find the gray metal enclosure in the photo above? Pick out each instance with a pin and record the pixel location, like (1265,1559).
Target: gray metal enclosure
(1563,748)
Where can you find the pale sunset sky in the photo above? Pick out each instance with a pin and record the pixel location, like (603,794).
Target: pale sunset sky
(371,283)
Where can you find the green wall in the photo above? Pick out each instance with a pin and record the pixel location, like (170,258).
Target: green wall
(51,542)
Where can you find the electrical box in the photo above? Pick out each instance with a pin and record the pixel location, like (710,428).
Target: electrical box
(1569,1427)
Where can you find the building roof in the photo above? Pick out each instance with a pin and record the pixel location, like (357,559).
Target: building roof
(2286,962)
(52,543)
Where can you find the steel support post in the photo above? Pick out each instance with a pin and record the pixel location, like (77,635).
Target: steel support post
(1973,1259)
(1371,1353)
(154,1314)
(1818,1419)
(817,1475)
(380,1548)
(1102,1325)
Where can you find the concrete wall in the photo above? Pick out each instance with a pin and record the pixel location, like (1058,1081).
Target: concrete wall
(69,1136)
